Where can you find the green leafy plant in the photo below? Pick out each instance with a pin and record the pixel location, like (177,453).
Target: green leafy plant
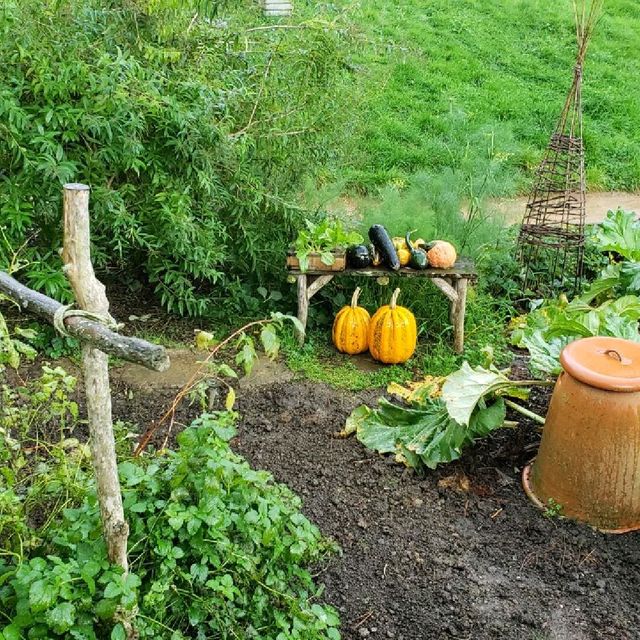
(15,344)
(553,509)
(323,238)
(443,416)
(42,467)
(193,133)
(619,236)
(216,550)
(69,597)
(548,329)
(45,340)
(620,233)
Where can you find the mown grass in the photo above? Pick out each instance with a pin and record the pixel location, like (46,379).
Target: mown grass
(439,84)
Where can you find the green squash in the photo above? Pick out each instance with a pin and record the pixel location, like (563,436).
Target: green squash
(418,258)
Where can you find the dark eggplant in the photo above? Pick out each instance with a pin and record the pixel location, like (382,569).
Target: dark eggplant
(382,242)
(358,256)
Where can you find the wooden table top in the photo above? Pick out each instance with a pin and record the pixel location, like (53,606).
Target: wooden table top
(463,268)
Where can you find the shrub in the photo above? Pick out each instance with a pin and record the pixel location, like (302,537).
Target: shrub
(216,550)
(42,469)
(192,132)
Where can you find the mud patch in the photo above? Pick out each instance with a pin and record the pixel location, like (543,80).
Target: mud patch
(187,363)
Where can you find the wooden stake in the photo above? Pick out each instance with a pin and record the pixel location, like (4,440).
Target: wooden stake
(90,295)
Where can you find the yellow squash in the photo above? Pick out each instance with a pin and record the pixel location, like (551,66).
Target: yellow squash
(404,255)
(351,328)
(392,333)
(398,243)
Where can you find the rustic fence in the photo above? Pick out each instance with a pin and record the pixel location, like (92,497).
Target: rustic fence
(97,331)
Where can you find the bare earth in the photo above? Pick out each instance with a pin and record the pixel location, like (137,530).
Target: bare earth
(598,203)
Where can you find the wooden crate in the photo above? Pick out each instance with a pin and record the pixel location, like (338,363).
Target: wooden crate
(316,264)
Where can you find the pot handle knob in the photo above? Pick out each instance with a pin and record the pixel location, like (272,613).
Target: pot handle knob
(612,353)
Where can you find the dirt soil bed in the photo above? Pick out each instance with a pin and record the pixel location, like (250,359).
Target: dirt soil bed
(459,553)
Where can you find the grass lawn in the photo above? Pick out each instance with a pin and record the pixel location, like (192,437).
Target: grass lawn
(443,84)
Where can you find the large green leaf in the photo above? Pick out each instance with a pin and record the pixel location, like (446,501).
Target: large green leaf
(630,277)
(463,389)
(488,418)
(62,617)
(545,352)
(427,436)
(620,232)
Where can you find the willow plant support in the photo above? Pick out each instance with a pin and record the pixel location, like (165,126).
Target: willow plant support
(551,240)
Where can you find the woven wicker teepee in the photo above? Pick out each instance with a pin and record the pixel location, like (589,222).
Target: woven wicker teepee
(551,241)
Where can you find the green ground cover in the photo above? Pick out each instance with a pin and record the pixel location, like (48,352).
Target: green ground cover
(440,83)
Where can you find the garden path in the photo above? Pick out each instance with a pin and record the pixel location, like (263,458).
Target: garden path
(598,203)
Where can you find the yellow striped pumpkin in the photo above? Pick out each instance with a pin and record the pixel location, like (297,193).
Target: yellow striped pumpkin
(392,333)
(351,327)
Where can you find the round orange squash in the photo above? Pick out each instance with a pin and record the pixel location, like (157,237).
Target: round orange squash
(441,254)
(392,333)
(351,327)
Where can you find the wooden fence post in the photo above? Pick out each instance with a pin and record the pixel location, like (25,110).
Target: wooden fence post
(90,296)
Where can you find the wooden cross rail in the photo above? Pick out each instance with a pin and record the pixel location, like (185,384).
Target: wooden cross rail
(452,282)
(149,355)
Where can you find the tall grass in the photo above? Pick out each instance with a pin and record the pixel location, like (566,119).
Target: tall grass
(436,206)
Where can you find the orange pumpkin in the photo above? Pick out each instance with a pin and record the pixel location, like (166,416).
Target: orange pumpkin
(392,333)
(351,327)
(441,254)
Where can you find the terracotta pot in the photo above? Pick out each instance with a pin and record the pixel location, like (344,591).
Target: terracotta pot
(589,457)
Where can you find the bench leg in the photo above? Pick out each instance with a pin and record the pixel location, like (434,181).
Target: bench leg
(454,299)
(303,306)
(458,310)
(308,286)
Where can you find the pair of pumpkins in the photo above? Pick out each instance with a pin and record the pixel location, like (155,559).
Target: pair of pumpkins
(390,335)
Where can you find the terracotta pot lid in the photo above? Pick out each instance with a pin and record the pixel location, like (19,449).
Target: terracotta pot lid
(612,364)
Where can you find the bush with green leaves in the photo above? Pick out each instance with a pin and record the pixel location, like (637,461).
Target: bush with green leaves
(216,550)
(193,131)
(42,468)
(609,306)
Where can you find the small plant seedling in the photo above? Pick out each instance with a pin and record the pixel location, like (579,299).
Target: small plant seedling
(323,237)
(553,510)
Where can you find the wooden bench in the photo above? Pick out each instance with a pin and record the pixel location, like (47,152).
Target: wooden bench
(452,282)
